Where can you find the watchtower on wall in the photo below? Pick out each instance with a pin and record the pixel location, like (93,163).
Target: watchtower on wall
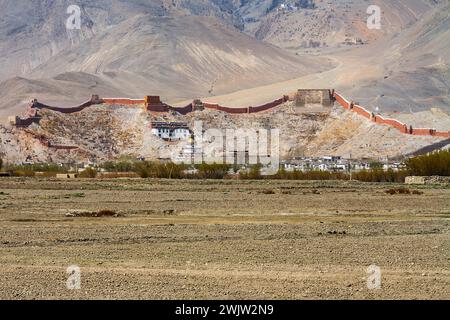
(305,97)
(95,99)
(152,100)
(197,105)
(154,104)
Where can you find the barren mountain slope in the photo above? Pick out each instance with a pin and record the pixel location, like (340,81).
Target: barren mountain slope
(199,53)
(294,24)
(415,67)
(176,56)
(32,32)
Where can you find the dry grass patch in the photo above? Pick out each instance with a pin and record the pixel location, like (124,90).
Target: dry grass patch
(95,214)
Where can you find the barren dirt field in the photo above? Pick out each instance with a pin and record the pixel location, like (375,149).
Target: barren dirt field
(222,240)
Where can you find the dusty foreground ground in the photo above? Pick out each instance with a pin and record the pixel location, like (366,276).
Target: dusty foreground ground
(222,240)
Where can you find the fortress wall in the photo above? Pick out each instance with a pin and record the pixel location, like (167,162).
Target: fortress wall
(38,105)
(423,132)
(124,101)
(211,106)
(402,127)
(24,122)
(378,119)
(361,111)
(233,110)
(397,125)
(443,134)
(154,104)
(268,106)
(246,110)
(184,110)
(342,101)
(158,108)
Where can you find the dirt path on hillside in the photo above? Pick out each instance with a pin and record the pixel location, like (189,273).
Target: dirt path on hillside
(344,74)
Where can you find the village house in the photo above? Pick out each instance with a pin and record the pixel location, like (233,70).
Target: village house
(171,131)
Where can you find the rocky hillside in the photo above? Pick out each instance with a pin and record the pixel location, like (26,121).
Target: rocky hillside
(106,132)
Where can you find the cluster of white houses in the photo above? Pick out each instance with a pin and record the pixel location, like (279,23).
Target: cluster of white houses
(337,164)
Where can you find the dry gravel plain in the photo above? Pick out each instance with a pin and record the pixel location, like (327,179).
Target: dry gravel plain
(222,240)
